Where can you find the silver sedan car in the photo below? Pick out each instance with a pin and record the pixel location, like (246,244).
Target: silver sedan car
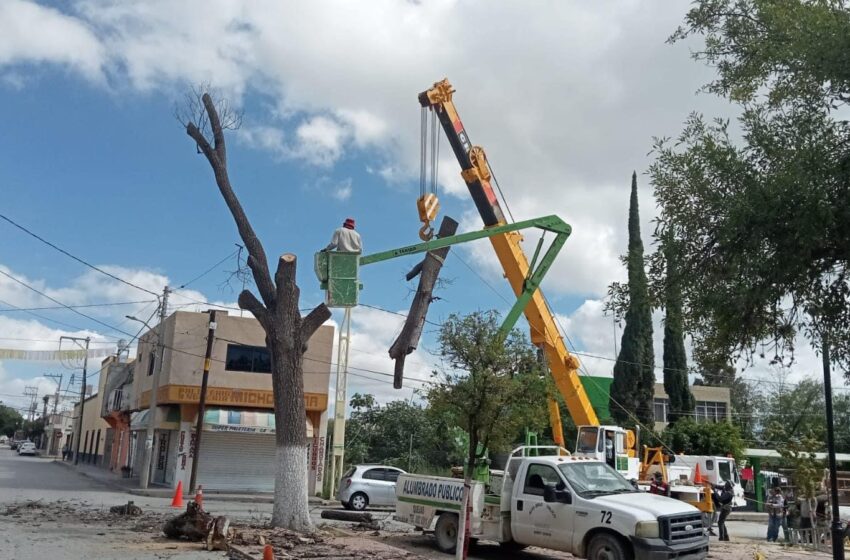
(365,485)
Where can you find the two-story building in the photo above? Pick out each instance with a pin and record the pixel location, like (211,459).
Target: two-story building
(238,444)
(93,431)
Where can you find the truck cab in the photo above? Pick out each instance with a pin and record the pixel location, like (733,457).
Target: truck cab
(559,502)
(611,445)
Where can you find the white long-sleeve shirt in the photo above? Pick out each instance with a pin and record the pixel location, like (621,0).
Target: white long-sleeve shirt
(345,239)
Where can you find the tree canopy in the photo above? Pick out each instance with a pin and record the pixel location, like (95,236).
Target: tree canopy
(634,372)
(490,386)
(761,209)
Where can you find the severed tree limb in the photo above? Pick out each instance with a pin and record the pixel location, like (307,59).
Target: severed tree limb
(430,266)
(313,321)
(249,302)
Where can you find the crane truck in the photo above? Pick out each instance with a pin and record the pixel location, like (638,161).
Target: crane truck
(556,501)
(612,444)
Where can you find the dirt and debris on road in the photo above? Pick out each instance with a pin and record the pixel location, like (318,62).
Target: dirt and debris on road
(82,530)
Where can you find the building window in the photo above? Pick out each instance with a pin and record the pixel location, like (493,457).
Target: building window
(248,358)
(711,411)
(151,362)
(661,406)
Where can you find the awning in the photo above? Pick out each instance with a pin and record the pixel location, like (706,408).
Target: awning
(167,418)
(243,421)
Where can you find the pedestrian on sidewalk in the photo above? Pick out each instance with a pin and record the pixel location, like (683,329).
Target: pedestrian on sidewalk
(775,514)
(725,509)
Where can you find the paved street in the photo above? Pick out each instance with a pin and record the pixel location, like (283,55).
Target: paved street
(24,480)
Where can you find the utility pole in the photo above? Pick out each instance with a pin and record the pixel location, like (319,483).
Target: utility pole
(338,456)
(202,402)
(58,378)
(837,532)
(45,399)
(78,432)
(144,475)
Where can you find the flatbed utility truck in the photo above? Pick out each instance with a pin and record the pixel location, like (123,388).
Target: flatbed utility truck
(560,502)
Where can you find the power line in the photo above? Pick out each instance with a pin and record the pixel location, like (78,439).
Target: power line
(78,259)
(80,313)
(67,325)
(210,269)
(107,304)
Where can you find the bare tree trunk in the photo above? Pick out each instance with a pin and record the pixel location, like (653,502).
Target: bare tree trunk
(429,268)
(287,335)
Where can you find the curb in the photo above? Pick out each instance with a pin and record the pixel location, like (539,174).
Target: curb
(167,493)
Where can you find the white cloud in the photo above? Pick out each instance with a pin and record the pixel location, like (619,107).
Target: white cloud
(342,191)
(320,141)
(33,33)
(261,137)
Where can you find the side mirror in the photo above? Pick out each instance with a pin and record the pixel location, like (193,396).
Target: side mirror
(549,494)
(563,497)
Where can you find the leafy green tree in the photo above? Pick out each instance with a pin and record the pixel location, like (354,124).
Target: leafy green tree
(704,438)
(403,434)
(675,360)
(492,387)
(760,209)
(10,419)
(634,372)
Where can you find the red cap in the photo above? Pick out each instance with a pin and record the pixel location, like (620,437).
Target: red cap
(349,223)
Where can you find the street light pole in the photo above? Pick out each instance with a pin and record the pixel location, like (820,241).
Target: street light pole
(144,475)
(202,402)
(837,533)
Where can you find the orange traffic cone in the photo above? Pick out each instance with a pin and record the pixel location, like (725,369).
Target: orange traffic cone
(199,497)
(177,501)
(268,552)
(697,475)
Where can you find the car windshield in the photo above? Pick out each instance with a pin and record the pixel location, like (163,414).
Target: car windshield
(595,479)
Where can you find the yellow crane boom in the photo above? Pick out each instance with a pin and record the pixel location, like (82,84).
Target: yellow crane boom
(544,331)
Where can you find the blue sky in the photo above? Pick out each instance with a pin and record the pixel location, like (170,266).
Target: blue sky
(93,159)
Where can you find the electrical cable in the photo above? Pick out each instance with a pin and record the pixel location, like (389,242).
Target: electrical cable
(82,306)
(80,313)
(78,259)
(213,267)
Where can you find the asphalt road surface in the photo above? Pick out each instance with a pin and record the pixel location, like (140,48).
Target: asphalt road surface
(40,534)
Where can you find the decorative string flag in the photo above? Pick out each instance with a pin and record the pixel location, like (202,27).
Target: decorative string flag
(53,355)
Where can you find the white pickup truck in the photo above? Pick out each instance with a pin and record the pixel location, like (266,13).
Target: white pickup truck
(560,502)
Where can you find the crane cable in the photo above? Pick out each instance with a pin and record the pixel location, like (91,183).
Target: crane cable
(428,204)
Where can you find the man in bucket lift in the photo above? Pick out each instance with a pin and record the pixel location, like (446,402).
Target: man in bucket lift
(346,239)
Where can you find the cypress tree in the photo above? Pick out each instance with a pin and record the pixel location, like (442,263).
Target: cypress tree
(634,372)
(675,360)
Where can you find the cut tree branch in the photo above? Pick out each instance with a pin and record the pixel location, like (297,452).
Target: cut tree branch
(410,334)
(315,319)
(249,302)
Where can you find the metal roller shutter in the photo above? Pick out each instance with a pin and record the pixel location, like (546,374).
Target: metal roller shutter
(237,462)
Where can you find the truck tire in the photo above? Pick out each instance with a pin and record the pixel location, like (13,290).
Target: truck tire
(606,547)
(359,501)
(446,532)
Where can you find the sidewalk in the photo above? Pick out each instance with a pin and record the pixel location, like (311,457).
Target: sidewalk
(131,486)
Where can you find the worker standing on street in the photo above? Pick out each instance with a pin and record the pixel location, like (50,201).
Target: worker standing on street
(776,514)
(346,239)
(725,500)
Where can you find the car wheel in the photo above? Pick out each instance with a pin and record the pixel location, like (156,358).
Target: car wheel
(359,501)
(606,547)
(446,532)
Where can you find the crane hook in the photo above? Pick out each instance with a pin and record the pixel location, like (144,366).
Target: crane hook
(426,232)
